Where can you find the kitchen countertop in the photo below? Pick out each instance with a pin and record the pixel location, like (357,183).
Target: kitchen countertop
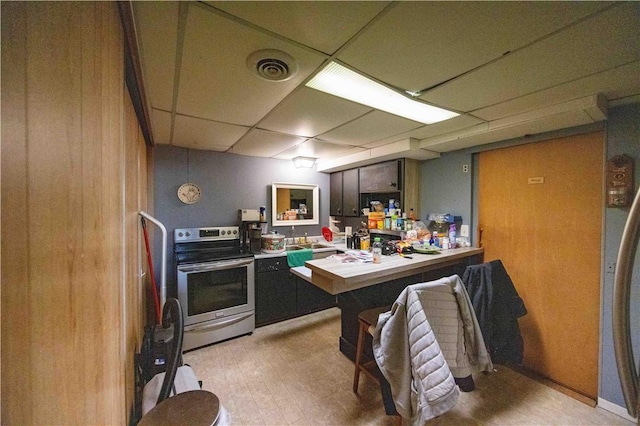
(330,247)
(335,277)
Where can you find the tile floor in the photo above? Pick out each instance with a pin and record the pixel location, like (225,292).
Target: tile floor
(292,373)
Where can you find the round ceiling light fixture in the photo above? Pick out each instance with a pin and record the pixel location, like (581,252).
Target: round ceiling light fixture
(272,64)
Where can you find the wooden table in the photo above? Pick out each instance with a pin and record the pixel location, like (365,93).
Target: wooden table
(360,286)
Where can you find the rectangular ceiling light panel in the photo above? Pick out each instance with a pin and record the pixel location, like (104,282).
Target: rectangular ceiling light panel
(338,80)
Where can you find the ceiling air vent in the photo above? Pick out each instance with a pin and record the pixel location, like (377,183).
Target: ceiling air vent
(272,65)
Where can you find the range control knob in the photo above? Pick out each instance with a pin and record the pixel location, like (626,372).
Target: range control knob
(188,234)
(180,234)
(223,232)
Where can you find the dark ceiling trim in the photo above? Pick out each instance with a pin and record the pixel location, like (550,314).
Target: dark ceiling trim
(133,71)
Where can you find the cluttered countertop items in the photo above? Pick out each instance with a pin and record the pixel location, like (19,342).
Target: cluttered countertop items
(391,231)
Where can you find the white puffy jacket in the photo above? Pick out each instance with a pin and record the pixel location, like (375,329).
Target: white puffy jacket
(417,366)
(409,357)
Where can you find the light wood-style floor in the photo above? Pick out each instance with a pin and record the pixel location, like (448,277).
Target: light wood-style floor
(292,373)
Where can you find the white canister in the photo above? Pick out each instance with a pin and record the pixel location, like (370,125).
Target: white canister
(273,243)
(445,243)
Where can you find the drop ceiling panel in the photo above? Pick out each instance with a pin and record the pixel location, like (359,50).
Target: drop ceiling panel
(215,81)
(309,112)
(197,133)
(315,148)
(453,124)
(369,128)
(614,83)
(420,44)
(161,124)
(545,124)
(262,143)
(157,26)
(605,41)
(322,25)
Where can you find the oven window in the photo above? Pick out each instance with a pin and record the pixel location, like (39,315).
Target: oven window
(216,290)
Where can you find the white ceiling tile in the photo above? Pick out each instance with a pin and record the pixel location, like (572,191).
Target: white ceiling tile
(607,40)
(262,143)
(161,125)
(157,26)
(322,25)
(545,124)
(460,122)
(371,127)
(614,83)
(215,81)
(419,44)
(309,112)
(560,52)
(317,149)
(190,132)
(456,123)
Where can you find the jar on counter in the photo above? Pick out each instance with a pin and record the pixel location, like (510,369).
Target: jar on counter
(364,243)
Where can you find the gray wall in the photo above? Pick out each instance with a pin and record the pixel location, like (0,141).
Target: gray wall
(446,188)
(228,183)
(623,137)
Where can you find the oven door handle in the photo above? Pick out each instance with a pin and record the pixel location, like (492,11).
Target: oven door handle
(215,266)
(209,327)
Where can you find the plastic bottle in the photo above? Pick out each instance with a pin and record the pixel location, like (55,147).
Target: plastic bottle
(452,235)
(436,241)
(376,249)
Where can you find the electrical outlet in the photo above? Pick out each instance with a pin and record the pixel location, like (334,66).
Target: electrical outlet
(465,168)
(464,231)
(610,267)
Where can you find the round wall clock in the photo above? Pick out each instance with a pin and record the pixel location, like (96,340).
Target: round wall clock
(189,193)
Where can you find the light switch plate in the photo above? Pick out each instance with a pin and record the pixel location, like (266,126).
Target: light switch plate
(464,230)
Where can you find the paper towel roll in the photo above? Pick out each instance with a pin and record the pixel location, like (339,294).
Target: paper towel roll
(348,230)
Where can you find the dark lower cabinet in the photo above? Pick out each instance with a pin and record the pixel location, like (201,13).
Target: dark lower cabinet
(281,295)
(311,298)
(275,291)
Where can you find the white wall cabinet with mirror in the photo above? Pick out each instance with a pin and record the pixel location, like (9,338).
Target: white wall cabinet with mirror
(294,204)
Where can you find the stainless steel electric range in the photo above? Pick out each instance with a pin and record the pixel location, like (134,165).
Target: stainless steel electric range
(215,284)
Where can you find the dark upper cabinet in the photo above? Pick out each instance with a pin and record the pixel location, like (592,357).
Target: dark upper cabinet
(381,177)
(350,192)
(344,198)
(335,194)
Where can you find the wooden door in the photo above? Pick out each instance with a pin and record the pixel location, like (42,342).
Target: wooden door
(540,208)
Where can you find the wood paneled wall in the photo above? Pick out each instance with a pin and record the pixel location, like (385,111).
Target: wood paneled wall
(74,176)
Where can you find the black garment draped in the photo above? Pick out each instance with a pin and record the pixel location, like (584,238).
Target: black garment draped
(498,307)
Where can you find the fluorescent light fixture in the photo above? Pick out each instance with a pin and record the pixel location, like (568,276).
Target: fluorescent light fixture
(304,162)
(338,80)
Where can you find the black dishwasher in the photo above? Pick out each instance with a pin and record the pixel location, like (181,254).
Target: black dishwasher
(275,290)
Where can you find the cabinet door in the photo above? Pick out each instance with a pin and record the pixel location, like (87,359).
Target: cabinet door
(335,194)
(350,193)
(275,296)
(381,177)
(311,298)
